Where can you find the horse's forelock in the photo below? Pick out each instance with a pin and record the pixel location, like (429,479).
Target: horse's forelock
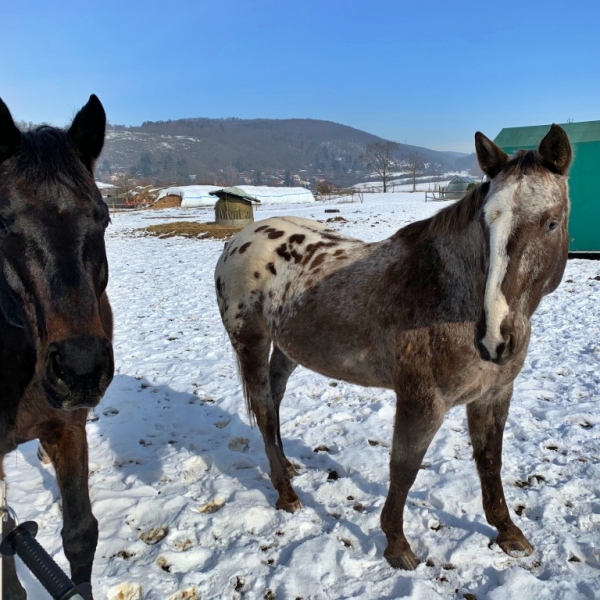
(47,156)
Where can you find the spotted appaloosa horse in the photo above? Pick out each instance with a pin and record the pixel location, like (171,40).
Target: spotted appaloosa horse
(440,313)
(56,358)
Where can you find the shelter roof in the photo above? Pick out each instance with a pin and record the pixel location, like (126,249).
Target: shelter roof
(235,191)
(530,137)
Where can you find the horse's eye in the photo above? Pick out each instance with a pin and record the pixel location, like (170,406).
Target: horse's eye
(552,226)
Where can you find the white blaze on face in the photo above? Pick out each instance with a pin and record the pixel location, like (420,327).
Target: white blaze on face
(498,213)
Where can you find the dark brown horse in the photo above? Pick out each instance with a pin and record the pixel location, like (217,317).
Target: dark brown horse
(439,313)
(56,358)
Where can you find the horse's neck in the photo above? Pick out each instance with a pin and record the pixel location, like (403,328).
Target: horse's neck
(449,264)
(463,269)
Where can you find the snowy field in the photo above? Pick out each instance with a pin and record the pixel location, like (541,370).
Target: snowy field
(172,452)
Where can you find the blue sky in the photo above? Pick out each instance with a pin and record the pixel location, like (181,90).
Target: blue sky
(428,73)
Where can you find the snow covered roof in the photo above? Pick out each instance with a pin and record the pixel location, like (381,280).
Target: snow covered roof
(277,195)
(191,195)
(235,191)
(104,186)
(200,195)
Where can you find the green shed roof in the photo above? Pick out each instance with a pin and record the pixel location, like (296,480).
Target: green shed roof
(530,136)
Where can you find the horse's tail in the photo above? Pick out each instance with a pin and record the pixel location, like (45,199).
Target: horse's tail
(247,396)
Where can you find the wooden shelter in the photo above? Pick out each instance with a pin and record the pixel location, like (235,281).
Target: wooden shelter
(234,207)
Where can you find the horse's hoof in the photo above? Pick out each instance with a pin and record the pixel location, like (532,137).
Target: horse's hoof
(290,507)
(407,561)
(517,548)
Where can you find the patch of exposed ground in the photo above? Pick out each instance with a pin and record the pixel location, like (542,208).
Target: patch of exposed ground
(191,229)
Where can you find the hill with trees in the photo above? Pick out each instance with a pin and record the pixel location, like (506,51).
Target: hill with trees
(258,151)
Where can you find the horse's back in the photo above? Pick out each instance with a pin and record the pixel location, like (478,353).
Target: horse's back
(265,255)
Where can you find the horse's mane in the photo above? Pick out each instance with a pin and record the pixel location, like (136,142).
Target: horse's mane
(453,218)
(457,216)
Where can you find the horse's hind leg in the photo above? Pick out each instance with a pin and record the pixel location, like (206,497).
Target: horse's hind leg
(253,355)
(280,369)
(486,426)
(66,444)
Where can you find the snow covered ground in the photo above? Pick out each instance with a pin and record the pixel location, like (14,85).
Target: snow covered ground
(171,450)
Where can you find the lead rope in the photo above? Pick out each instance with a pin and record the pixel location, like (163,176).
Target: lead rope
(20,540)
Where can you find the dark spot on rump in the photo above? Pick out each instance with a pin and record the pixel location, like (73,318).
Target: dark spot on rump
(297,257)
(341,257)
(297,238)
(275,234)
(271,294)
(271,268)
(331,236)
(270,229)
(318,260)
(240,305)
(219,287)
(233,251)
(282,251)
(256,275)
(338,252)
(279,310)
(310,251)
(238,316)
(244,247)
(260,228)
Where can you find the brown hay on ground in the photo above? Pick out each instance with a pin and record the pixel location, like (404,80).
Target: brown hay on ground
(191,229)
(170,201)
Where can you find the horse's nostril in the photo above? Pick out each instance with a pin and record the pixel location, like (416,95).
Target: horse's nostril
(507,348)
(55,364)
(483,351)
(511,343)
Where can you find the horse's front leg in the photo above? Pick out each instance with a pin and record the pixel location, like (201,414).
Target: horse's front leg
(417,421)
(66,444)
(486,419)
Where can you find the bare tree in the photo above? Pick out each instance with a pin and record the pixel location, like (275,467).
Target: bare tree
(231,174)
(415,165)
(379,157)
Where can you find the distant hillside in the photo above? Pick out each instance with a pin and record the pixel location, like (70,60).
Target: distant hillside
(249,151)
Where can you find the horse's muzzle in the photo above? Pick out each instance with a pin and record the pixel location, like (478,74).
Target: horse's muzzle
(78,371)
(504,351)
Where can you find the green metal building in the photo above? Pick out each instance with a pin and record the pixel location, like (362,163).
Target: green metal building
(584,175)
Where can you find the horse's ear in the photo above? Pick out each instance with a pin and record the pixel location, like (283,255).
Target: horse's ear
(10,136)
(491,158)
(87,131)
(555,150)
